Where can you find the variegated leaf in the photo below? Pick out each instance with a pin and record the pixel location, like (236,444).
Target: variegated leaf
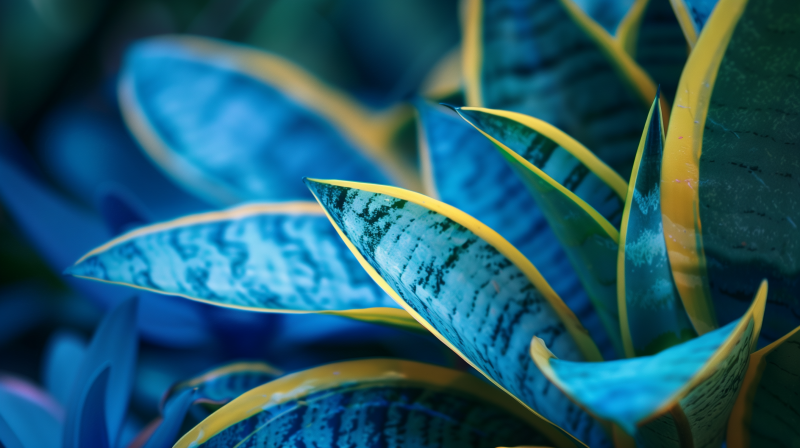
(693,15)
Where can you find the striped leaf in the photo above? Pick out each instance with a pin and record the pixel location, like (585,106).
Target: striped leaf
(282,258)
(465,284)
(650,309)
(378,402)
(233,124)
(588,238)
(547,59)
(766,412)
(681,396)
(463,169)
(693,15)
(729,183)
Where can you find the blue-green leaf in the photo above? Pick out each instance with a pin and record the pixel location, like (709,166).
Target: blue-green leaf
(281,257)
(693,15)
(464,283)
(172,418)
(232,123)
(90,413)
(698,380)
(62,359)
(547,59)
(29,417)
(650,309)
(379,402)
(607,13)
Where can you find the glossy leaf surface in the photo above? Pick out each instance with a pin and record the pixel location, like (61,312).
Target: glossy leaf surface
(232,123)
(465,284)
(651,312)
(281,257)
(372,402)
(729,186)
(547,59)
(29,417)
(462,168)
(702,376)
(766,412)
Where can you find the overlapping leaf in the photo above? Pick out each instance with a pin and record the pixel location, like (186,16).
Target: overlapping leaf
(693,15)
(29,417)
(729,180)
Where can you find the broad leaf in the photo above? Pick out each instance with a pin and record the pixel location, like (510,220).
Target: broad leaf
(280,257)
(379,402)
(729,183)
(693,15)
(232,123)
(650,309)
(462,168)
(547,59)
(766,412)
(29,417)
(466,284)
(697,380)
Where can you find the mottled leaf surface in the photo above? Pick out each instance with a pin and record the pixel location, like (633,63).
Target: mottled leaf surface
(466,171)
(651,310)
(468,290)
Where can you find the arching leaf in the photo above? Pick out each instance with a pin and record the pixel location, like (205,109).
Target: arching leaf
(372,402)
(729,181)
(462,168)
(232,123)
(29,417)
(281,257)
(464,283)
(547,59)
(700,377)
(650,309)
(766,412)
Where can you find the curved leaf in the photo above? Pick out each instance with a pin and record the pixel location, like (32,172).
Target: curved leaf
(280,258)
(693,15)
(372,402)
(174,412)
(701,377)
(547,59)
(651,313)
(90,414)
(462,168)
(233,123)
(729,182)
(29,417)
(464,283)
(766,412)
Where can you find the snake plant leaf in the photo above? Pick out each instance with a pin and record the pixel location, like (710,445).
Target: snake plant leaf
(31,417)
(547,59)
(104,381)
(693,15)
(62,359)
(698,379)
(364,403)
(465,284)
(201,107)
(281,257)
(650,309)
(462,168)
(729,178)
(588,238)
(607,13)
(766,412)
(652,35)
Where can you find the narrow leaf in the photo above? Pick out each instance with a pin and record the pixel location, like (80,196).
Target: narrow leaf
(173,414)
(693,15)
(380,402)
(91,414)
(652,316)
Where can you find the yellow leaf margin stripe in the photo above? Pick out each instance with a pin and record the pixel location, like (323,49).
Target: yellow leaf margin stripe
(390,316)
(685,21)
(627,34)
(680,205)
(542,356)
(364,373)
(371,131)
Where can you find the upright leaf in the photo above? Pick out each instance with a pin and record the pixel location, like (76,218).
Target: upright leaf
(652,316)
(607,13)
(464,283)
(373,402)
(693,15)
(547,59)
(730,179)
(62,359)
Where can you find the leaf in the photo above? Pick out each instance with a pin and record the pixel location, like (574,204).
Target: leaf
(651,313)
(547,59)
(697,380)
(281,258)
(232,123)
(173,414)
(462,168)
(766,413)
(464,283)
(589,240)
(693,15)
(607,13)
(29,417)
(444,81)
(652,35)
(729,185)
(111,359)
(62,359)
(382,402)
(7,437)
